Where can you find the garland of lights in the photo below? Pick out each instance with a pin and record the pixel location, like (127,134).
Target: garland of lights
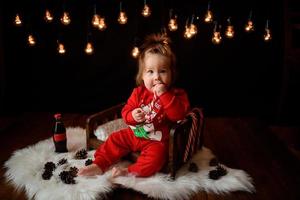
(189,32)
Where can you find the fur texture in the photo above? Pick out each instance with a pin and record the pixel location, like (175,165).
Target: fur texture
(25,167)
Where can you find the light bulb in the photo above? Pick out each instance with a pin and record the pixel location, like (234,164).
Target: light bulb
(216,39)
(65,19)
(61,48)
(267,35)
(249,26)
(193,29)
(31,40)
(18,21)
(96,20)
(122,18)
(187,33)
(208,17)
(48,16)
(102,25)
(135,52)
(146,12)
(89,48)
(173,26)
(229,31)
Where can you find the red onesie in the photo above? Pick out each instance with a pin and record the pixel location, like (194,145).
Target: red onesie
(160,111)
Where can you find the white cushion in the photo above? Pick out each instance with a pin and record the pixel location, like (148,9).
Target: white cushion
(104,130)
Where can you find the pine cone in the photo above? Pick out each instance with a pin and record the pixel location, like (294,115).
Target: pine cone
(217,173)
(49,166)
(221,170)
(73,171)
(62,161)
(213,174)
(88,162)
(47,175)
(63,175)
(66,177)
(81,154)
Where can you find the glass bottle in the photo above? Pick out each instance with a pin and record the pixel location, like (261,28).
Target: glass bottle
(59,135)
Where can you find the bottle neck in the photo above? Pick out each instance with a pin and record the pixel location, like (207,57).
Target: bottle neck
(59,127)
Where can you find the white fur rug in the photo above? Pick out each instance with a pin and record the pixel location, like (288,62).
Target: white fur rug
(25,168)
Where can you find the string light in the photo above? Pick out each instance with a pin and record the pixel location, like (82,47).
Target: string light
(190,29)
(122,16)
(135,52)
(89,49)
(173,26)
(146,12)
(96,18)
(65,19)
(208,16)
(31,40)
(187,33)
(193,29)
(48,16)
(102,25)
(216,38)
(61,48)
(229,29)
(18,21)
(249,25)
(98,21)
(267,35)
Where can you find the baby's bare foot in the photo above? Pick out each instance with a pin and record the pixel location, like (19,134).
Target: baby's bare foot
(90,170)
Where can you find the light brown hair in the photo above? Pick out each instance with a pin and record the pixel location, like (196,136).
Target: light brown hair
(156,44)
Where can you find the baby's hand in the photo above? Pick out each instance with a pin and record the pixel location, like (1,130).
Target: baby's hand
(90,170)
(138,115)
(118,171)
(159,89)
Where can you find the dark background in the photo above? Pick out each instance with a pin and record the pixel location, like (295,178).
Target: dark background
(241,77)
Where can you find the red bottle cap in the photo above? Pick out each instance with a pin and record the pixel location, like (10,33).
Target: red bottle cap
(57,116)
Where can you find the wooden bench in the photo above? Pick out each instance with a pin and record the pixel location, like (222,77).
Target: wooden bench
(186,136)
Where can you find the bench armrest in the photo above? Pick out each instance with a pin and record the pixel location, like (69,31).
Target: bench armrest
(99,118)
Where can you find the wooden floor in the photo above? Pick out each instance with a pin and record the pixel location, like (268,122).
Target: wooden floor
(244,143)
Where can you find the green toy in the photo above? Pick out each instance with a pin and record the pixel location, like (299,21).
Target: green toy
(140,132)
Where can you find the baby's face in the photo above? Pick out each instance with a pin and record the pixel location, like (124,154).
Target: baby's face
(156,71)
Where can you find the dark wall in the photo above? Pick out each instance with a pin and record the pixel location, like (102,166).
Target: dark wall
(238,77)
(2,67)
